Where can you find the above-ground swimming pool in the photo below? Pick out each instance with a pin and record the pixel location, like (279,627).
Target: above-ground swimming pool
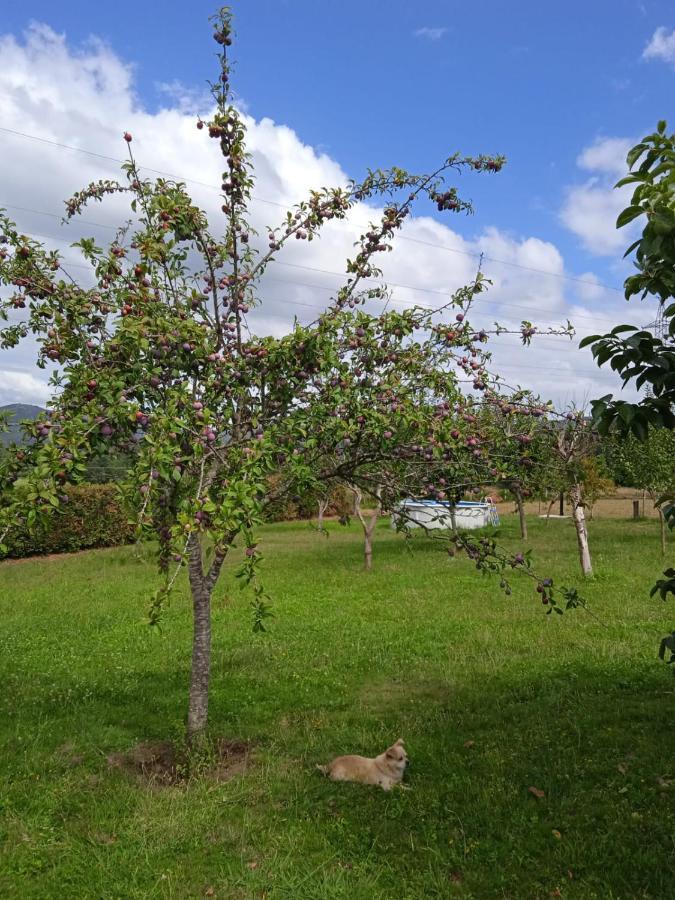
(438,514)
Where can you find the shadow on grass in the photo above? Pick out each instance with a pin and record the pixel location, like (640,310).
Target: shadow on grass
(594,747)
(595,744)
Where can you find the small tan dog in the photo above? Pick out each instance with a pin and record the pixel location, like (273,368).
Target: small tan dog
(385,770)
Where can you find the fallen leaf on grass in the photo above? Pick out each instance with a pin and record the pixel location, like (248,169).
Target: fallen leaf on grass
(252,865)
(537,793)
(469,744)
(556,834)
(623,768)
(663,783)
(210,891)
(456,876)
(103,838)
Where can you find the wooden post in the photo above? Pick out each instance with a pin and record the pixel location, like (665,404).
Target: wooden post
(562,503)
(636,509)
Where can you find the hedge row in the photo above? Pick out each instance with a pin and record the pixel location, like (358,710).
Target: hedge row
(92,516)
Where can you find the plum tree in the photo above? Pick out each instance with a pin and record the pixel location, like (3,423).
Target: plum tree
(155,360)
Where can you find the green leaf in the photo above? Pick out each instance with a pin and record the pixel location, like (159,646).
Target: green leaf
(632,247)
(621,328)
(591,339)
(634,154)
(626,413)
(630,213)
(630,179)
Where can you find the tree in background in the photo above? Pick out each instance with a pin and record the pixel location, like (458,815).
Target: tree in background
(595,482)
(647,464)
(524,451)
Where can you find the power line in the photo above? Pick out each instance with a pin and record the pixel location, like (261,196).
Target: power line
(40,212)
(318,287)
(421,289)
(258,199)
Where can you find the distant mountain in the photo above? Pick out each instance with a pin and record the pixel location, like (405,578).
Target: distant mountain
(14,414)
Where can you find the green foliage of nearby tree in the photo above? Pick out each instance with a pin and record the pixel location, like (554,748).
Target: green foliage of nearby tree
(637,355)
(640,357)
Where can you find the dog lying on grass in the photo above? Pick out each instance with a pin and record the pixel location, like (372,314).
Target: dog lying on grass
(385,770)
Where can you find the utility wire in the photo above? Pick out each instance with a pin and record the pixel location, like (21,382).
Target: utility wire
(323,287)
(258,199)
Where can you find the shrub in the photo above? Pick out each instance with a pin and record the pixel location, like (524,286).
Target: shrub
(93,516)
(306,506)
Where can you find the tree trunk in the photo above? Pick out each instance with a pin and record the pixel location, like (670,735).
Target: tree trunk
(550,507)
(368,525)
(453,518)
(323,506)
(521,513)
(368,552)
(201,587)
(662,522)
(580,526)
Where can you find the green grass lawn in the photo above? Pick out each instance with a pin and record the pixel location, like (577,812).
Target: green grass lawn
(422,647)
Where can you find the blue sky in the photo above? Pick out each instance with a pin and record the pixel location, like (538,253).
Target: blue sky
(535,81)
(376,84)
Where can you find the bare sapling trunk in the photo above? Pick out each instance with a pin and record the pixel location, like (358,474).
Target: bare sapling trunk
(323,506)
(521,512)
(550,507)
(452,548)
(662,523)
(582,532)
(368,524)
(453,518)
(201,588)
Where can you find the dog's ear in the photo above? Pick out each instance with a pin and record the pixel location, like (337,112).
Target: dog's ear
(393,751)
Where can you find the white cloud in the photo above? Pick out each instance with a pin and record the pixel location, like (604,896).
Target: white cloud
(184,98)
(589,286)
(606,155)
(661,46)
(85,98)
(22,387)
(431,34)
(590,209)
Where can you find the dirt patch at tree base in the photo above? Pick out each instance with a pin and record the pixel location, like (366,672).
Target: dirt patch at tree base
(162,764)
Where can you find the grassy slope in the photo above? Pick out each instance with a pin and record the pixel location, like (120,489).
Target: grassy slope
(422,647)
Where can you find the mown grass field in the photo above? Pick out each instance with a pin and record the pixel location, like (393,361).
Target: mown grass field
(422,647)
